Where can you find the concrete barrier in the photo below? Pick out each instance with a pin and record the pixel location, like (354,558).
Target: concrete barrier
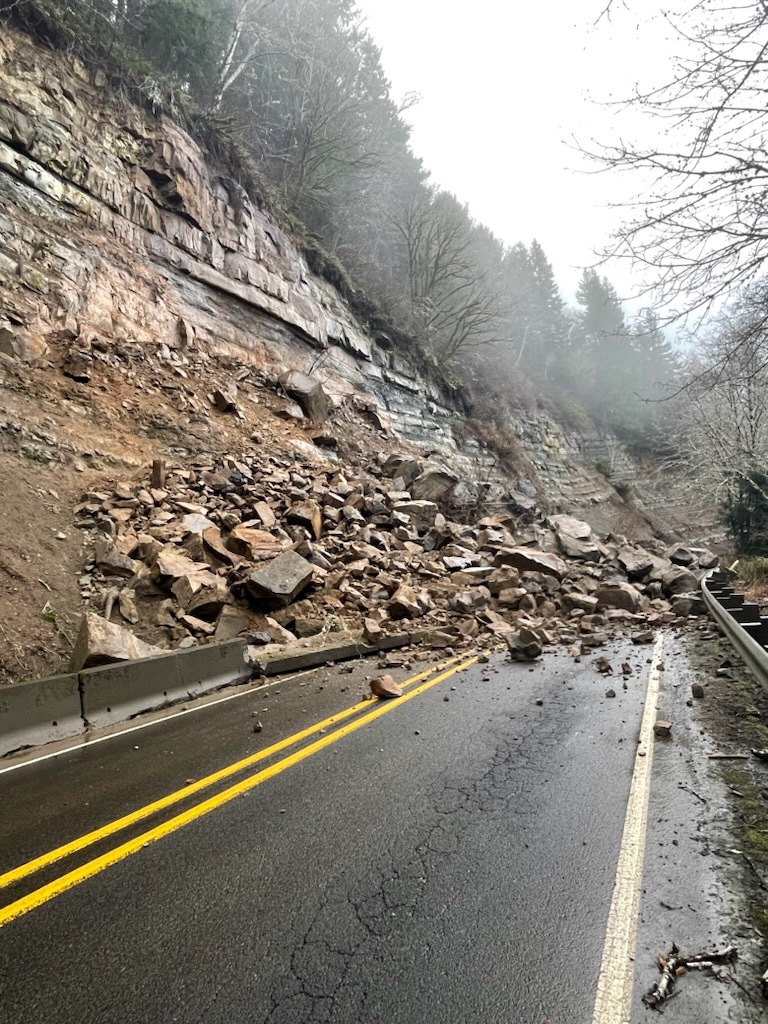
(114,693)
(39,712)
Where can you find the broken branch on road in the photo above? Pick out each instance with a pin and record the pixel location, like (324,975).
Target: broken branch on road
(673,965)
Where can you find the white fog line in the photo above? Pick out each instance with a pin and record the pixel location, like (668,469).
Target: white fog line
(614,987)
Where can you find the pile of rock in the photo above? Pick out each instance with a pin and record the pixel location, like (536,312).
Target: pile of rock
(283,548)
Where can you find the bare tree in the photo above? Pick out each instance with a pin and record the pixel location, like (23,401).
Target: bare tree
(451,305)
(702,231)
(722,417)
(246,44)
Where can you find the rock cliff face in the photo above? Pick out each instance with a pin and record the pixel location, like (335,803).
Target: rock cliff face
(116,226)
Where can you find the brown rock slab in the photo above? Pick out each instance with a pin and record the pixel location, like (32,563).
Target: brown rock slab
(662,728)
(404,603)
(195,625)
(309,515)
(435,483)
(645,636)
(579,550)
(511,597)
(213,541)
(678,554)
(185,587)
(524,645)
(194,522)
(402,467)
(571,527)
(265,514)
(172,563)
(127,606)
(100,643)
(697,690)
(22,345)
(678,580)
(372,631)
(255,545)
(708,560)
(225,399)
(635,562)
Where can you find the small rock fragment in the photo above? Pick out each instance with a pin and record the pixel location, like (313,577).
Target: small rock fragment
(385,687)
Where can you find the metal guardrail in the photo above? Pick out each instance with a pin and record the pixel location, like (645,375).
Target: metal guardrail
(726,606)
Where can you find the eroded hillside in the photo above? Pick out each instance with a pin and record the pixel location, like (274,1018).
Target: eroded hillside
(150,309)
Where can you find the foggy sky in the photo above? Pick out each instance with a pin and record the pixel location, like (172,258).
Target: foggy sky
(505,87)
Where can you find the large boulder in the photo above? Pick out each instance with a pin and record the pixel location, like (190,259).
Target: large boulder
(707,559)
(524,645)
(280,581)
(678,580)
(680,555)
(617,594)
(197,524)
(422,514)
(404,604)
(579,550)
(24,346)
(635,562)
(531,560)
(309,393)
(208,602)
(575,599)
(571,527)
(436,483)
(100,642)
(401,467)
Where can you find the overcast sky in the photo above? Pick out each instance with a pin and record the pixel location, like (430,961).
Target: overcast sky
(505,85)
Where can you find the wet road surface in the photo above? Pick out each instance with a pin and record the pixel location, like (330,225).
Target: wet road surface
(446,858)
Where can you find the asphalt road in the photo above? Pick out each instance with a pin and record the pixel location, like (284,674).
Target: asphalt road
(449,860)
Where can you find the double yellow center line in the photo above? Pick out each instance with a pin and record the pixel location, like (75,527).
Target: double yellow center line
(98,864)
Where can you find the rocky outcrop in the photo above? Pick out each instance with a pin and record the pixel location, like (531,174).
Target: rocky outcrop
(119,232)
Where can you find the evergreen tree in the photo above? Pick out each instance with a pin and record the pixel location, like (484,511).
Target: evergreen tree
(607,353)
(656,365)
(745,513)
(537,323)
(602,316)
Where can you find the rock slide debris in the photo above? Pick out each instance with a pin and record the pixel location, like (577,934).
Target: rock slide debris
(281,547)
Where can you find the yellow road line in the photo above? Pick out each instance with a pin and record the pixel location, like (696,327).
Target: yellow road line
(614,987)
(94,867)
(44,860)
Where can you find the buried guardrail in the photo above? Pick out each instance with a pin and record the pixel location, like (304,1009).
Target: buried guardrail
(739,619)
